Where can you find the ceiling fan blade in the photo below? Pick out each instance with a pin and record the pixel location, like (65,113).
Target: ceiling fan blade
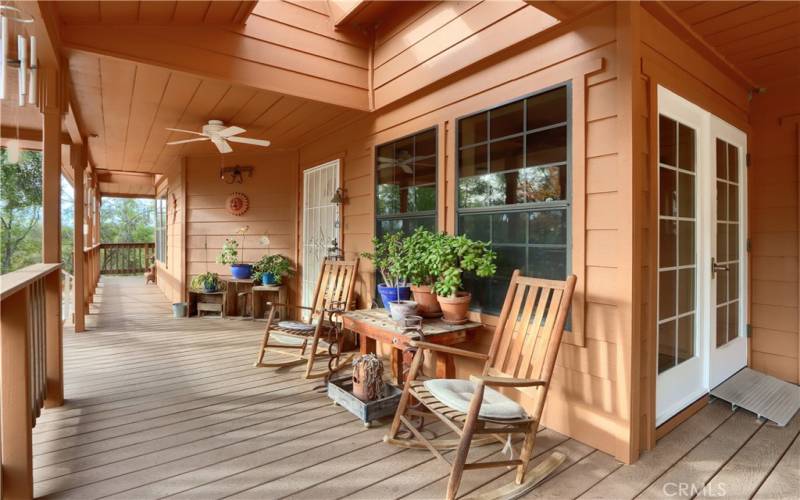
(223,146)
(187,131)
(233,130)
(247,140)
(184,141)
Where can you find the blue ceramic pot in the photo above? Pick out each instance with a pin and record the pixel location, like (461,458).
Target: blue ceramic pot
(241,271)
(390,293)
(268,279)
(209,288)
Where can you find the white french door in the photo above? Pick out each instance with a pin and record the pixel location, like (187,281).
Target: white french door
(701,265)
(728,339)
(320,222)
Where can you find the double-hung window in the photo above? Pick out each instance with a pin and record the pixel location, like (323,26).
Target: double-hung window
(405,177)
(513,181)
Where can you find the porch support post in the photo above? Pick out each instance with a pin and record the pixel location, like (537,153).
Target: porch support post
(78,161)
(15,407)
(51,108)
(630,112)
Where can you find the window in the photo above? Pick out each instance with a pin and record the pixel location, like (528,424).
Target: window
(513,189)
(405,178)
(161,228)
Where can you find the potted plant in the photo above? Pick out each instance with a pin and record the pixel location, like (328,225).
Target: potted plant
(450,257)
(421,275)
(391,261)
(208,282)
(270,269)
(230,256)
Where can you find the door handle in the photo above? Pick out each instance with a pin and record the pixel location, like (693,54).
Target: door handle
(716,268)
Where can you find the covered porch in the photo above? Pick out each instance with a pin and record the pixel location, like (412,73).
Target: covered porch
(379,117)
(158,407)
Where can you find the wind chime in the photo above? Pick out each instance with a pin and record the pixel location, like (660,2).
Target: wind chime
(26,63)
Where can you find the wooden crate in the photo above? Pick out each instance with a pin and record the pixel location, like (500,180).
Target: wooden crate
(341,391)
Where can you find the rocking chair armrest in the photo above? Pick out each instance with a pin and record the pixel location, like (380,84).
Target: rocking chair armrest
(448,350)
(505,381)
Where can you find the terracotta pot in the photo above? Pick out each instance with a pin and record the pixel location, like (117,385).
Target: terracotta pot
(428,306)
(455,307)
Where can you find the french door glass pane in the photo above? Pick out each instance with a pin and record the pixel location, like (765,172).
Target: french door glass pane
(677,244)
(728,242)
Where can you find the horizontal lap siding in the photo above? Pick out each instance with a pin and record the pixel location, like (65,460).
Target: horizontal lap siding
(272,193)
(774,233)
(584,401)
(171,276)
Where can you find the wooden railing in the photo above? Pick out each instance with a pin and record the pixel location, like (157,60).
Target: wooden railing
(30,369)
(125,258)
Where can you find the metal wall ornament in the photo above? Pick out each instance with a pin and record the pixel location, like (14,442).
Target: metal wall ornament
(237,203)
(235,175)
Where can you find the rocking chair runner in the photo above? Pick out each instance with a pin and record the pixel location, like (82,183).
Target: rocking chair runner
(332,294)
(522,356)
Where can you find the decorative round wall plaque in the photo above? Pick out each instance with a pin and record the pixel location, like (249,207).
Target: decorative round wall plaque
(237,203)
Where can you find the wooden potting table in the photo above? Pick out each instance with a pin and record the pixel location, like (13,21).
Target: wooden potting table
(375,325)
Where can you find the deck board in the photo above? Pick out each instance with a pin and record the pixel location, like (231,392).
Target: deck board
(158,407)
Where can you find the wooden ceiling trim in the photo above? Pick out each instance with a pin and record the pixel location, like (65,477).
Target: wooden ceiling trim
(191,11)
(752,28)
(148,93)
(704,11)
(757,41)
(742,16)
(766,50)
(317,7)
(223,12)
(154,46)
(300,18)
(257,106)
(180,91)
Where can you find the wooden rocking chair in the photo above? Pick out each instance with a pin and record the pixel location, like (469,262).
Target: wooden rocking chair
(522,356)
(333,294)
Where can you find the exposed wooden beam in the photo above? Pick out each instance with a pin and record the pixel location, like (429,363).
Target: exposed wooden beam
(73,129)
(109,194)
(344,11)
(245,9)
(130,178)
(29,138)
(673,21)
(551,8)
(185,49)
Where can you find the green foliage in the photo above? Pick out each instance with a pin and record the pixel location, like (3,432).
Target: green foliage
(127,220)
(389,258)
(451,255)
(277,265)
(20,210)
(206,281)
(418,256)
(229,253)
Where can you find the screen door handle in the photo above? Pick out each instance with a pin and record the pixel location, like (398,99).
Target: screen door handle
(716,268)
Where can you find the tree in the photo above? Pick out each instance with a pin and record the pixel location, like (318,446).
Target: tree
(67,223)
(20,210)
(126,220)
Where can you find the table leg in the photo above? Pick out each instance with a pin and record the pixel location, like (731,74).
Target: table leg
(397,366)
(445,367)
(367,344)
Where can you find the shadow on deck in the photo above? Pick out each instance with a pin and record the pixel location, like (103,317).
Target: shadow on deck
(161,407)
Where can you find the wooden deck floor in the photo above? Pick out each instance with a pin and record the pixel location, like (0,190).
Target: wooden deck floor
(158,407)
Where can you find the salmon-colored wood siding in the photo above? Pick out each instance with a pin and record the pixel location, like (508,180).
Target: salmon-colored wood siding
(171,275)
(272,192)
(774,231)
(585,398)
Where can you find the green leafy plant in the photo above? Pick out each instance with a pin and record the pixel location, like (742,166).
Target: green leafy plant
(390,258)
(206,281)
(277,265)
(450,256)
(418,257)
(230,249)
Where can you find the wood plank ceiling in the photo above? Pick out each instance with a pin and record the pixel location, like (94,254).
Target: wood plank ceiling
(762,39)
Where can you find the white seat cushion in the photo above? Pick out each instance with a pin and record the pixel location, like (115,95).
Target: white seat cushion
(298,326)
(457,394)
(295,341)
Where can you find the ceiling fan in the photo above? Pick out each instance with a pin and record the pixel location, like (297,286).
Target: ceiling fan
(216,132)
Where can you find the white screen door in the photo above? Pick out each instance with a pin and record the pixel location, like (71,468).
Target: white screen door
(701,249)
(320,222)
